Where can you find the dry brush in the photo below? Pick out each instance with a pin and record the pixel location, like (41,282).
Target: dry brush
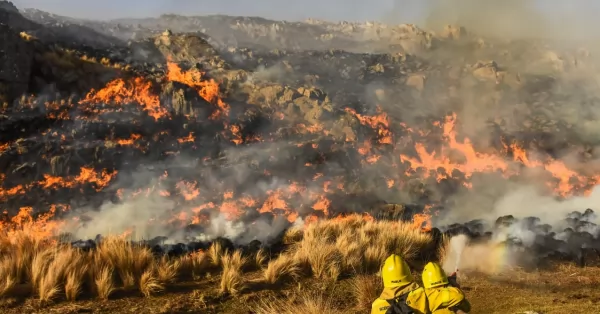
(327,250)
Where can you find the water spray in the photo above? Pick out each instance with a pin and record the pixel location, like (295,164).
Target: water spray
(457,246)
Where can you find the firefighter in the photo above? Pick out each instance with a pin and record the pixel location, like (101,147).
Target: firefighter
(400,293)
(442,296)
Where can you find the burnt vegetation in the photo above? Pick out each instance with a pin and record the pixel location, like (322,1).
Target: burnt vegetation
(234,164)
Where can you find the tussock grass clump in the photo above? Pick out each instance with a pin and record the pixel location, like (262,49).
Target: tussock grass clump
(216,252)
(260,258)
(54,270)
(231,278)
(168,269)
(195,264)
(234,260)
(103,281)
(373,258)
(7,280)
(365,289)
(324,260)
(39,266)
(129,260)
(293,235)
(19,249)
(354,244)
(150,283)
(75,281)
(283,267)
(231,281)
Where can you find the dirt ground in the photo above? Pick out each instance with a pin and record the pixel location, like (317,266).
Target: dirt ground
(566,289)
(563,289)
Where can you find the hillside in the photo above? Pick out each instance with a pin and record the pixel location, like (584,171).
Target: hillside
(164,136)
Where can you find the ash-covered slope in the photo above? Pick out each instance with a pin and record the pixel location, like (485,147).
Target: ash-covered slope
(255,125)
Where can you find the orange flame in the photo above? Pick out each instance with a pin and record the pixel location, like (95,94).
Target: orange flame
(207,89)
(380,122)
(120,91)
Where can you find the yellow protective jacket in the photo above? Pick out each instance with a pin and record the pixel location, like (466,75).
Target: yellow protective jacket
(416,299)
(446,300)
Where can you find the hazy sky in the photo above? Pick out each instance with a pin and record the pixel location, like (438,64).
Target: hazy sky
(284,9)
(279,9)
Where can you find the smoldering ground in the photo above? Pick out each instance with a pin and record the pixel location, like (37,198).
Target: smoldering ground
(246,215)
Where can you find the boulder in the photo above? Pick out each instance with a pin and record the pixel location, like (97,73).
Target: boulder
(485,71)
(184,100)
(416,81)
(184,47)
(453,32)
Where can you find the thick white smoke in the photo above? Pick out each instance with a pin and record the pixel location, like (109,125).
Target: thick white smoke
(521,201)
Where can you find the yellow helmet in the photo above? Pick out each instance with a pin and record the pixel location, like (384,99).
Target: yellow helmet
(395,272)
(434,276)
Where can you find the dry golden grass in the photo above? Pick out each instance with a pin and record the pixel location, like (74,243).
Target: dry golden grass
(355,245)
(54,271)
(74,281)
(21,247)
(130,261)
(283,267)
(7,280)
(194,265)
(215,252)
(373,258)
(260,258)
(293,235)
(444,249)
(150,283)
(324,250)
(48,288)
(314,260)
(39,266)
(231,278)
(308,303)
(104,282)
(231,281)
(325,262)
(233,260)
(168,269)
(6,286)
(365,289)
